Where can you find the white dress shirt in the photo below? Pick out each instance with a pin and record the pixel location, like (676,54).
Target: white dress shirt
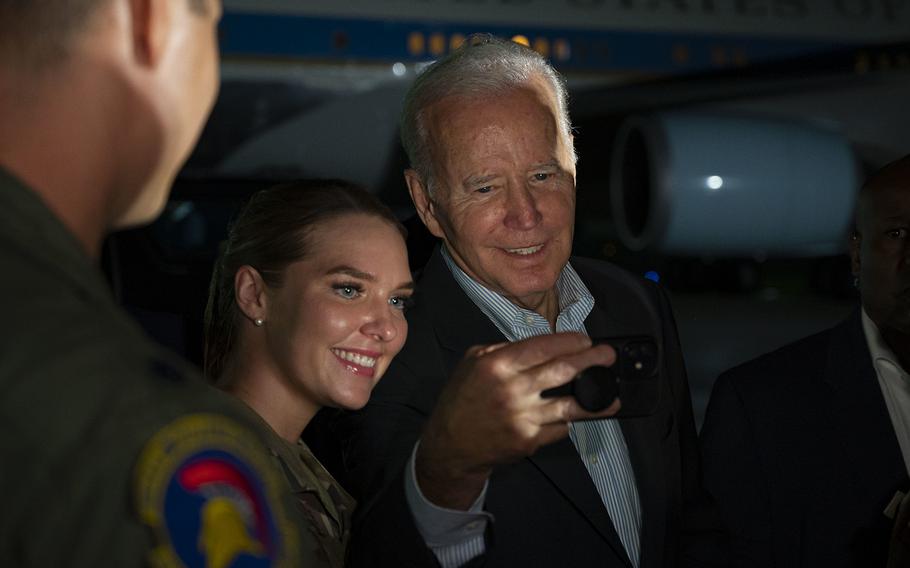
(894,382)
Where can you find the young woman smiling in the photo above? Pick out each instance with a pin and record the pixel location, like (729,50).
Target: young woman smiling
(306,310)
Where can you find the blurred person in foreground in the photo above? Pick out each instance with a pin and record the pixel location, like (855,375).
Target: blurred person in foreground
(306,310)
(458,436)
(806,448)
(114,452)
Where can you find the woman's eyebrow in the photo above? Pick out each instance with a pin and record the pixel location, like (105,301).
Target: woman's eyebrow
(352,272)
(361,275)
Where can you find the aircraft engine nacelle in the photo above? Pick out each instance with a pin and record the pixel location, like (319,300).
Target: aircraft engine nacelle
(697,184)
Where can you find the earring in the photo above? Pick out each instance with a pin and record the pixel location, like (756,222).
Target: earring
(258,322)
(856,282)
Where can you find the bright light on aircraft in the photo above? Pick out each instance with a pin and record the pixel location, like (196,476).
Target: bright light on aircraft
(715,182)
(399,69)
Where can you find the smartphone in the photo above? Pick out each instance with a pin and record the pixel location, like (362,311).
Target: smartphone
(633,378)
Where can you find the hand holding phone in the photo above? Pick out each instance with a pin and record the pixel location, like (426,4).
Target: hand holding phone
(633,378)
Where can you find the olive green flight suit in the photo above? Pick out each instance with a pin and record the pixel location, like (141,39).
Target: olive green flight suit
(323,502)
(97,424)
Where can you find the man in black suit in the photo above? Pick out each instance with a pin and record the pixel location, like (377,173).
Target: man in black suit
(464,444)
(805,448)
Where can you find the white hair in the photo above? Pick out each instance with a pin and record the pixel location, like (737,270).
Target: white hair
(484,66)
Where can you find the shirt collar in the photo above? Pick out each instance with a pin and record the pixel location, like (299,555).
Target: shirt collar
(883,357)
(515,322)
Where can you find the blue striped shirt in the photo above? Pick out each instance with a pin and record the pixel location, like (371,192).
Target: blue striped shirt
(600,443)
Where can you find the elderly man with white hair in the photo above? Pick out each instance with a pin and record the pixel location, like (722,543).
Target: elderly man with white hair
(458,436)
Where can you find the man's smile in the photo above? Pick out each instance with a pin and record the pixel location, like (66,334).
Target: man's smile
(525,251)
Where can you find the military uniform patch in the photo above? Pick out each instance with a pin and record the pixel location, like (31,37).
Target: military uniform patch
(206,489)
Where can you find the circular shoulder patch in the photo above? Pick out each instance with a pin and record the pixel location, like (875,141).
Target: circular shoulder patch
(205,487)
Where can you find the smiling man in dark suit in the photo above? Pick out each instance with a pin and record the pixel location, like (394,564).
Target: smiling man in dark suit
(492,472)
(805,448)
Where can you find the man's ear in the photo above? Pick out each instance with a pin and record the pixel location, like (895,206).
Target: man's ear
(856,241)
(250,293)
(152,22)
(425,206)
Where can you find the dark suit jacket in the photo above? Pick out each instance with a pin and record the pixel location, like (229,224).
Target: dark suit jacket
(801,456)
(547,510)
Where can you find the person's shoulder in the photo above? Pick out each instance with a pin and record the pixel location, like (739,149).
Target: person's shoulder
(775,393)
(788,366)
(209,466)
(628,294)
(197,452)
(97,359)
(604,278)
(123,417)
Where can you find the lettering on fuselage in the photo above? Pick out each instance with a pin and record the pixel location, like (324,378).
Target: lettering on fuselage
(840,20)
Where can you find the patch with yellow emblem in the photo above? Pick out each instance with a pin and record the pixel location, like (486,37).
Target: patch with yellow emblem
(205,487)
